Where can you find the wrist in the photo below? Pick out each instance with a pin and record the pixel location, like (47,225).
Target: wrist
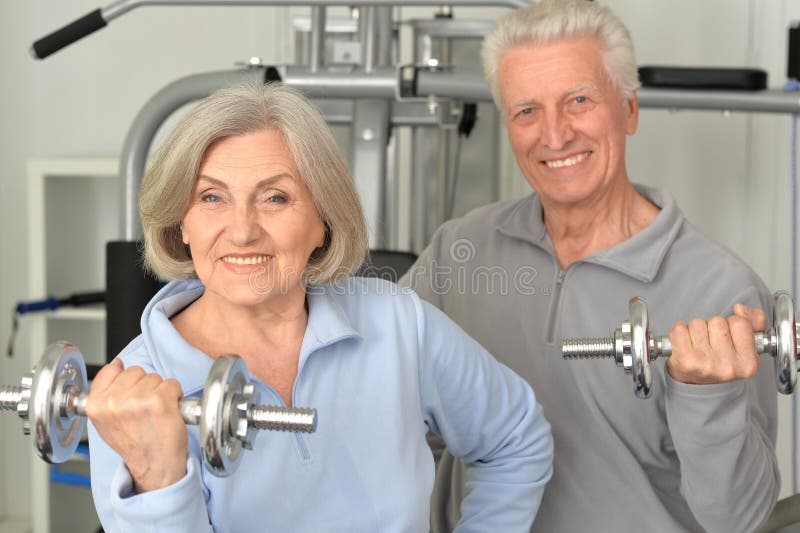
(154,479)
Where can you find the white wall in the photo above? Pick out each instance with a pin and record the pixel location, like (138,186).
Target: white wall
(15,141)
(730,175)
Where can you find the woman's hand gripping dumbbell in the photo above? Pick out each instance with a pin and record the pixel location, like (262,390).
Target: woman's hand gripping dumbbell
(51,401)
(633,347)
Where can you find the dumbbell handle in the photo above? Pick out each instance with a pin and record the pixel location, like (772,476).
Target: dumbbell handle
(600,347)
(275,418)
(9,397)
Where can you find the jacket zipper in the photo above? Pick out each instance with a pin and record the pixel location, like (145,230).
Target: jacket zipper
(302,446)
(555,307)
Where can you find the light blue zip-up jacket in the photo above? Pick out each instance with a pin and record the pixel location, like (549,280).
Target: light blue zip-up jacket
(381,367)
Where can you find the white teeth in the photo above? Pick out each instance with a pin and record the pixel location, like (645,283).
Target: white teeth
(568,162)
(246,260)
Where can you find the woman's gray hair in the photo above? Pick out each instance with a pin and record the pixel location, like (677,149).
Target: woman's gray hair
(549,21)
(168,184)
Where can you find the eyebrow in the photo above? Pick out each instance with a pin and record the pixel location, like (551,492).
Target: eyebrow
(580,88)
(263,183)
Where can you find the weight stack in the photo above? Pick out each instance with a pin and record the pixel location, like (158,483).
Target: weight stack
(128,289)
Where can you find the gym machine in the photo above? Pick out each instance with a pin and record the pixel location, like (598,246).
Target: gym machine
(371,93)
(634,348)
(356,83)
(51,401)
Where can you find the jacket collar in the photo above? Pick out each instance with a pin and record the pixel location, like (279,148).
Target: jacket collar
(175,358)
(639,257)
(327,321)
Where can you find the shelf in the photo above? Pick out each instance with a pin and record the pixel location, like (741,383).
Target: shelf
(73,211)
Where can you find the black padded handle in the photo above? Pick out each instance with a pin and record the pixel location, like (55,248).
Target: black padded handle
(84,298)
(67,35)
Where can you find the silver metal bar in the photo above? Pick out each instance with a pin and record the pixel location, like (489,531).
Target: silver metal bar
(406,113)
(74,403)
(317,43)
(9,397)
(370,136)
(768,101)
(145,126)
(443,167)
(588,348)
(120,7)
(368,35)
(271,417)
(297,419)
(452,28)
(392,236)
(384,24)
(380,83)
(471,86)
(191,410)
(420,215)
(449,84)
(376,36)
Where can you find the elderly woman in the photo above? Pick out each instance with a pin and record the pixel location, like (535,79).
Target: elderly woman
(249,207)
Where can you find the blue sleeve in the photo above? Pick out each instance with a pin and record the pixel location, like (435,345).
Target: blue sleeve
(179,508)
(488,416)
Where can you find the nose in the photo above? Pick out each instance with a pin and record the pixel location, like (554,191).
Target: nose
(243,228)
(557,130)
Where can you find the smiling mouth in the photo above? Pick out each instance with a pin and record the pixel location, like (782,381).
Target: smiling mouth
(567,162)
(252,260)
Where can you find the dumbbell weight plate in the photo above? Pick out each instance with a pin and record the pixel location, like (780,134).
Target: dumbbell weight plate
(785,328)
(640,348)
(225,386)
(55,437)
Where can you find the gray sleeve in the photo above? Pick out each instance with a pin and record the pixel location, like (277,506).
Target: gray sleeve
(428,274)
(724,435)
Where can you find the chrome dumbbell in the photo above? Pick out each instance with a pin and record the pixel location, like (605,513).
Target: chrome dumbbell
(634,348)
(51,401)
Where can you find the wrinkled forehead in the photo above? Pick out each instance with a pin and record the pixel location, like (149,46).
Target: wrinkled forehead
(262,152)
(250,158)
(551,69)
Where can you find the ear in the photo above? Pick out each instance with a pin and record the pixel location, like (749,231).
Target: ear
(184,235)
(631,114)
(324,239)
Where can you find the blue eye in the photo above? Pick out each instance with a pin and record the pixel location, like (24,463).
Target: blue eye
(210,198)
(524,114)
(580,99)
(277,199)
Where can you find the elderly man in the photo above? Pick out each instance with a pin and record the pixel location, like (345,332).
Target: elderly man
(520,276)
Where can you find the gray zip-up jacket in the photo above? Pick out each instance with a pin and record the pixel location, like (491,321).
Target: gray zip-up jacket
(691,457)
